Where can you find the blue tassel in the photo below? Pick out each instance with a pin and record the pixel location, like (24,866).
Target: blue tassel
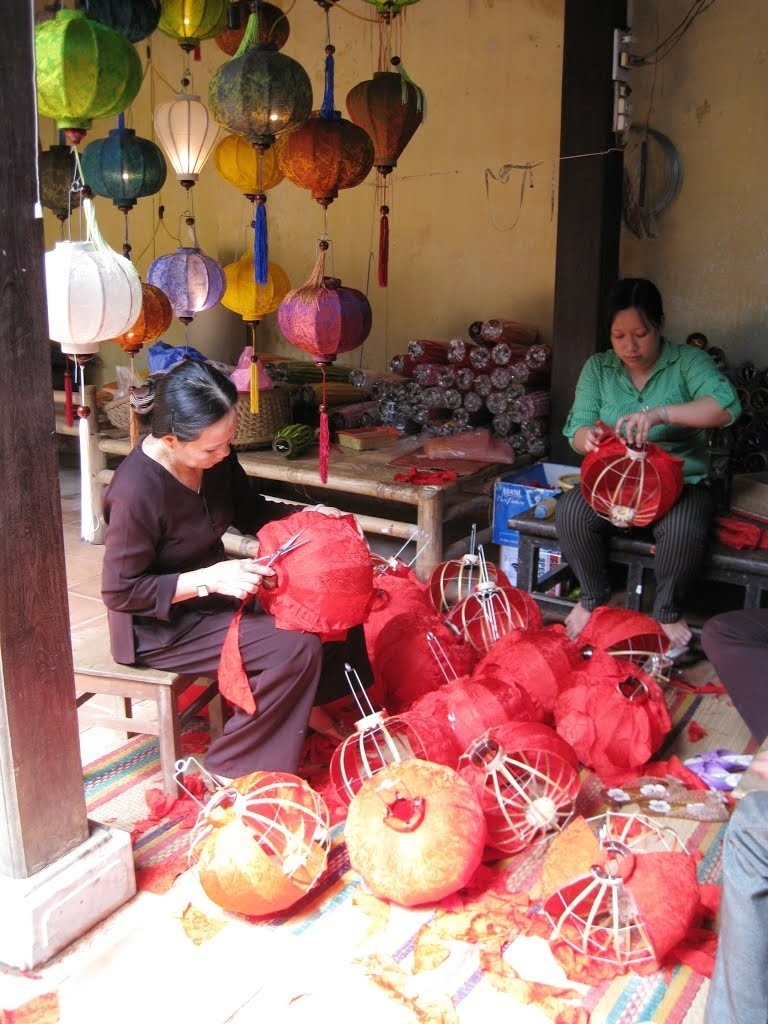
(260,245)
(327,108)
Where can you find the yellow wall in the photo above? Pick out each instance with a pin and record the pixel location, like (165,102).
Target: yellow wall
(709,96)
(491,70)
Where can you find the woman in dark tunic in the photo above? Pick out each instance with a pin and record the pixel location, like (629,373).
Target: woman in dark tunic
(171,592)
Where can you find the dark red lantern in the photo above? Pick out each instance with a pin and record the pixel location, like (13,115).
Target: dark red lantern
(390,107)
(274,26)
(630,486)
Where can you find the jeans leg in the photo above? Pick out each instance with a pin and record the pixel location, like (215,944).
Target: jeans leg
(738,992)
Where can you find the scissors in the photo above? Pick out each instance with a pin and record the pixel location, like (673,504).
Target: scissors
(285,547)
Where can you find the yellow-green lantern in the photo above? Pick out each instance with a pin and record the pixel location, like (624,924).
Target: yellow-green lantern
(190,21)
(84,70)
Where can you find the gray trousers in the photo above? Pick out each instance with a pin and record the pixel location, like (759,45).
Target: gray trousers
(738,992)
(680,537)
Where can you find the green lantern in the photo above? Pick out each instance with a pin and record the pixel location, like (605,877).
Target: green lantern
(84,71)
(190,21)
(123,167)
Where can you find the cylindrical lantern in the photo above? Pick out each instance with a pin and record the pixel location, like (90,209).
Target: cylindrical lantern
(57,169)
(325,155)
(134,19)
(190,21)
(238,163)
(123,167)
(187,133)
(274,26)
(93,293)
(84,71)
(191,280)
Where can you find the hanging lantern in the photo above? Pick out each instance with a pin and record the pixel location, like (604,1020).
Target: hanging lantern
(325,155)
(238,163)
(390,8)
(187,133)
(153,320)
(390,107)
(526,778)
(57,170)
(84,71)
(262,843)
(260,93)
(191,21)
(123,167)
(630,486)
(274,26)
(618,891)
(415,832)
(191,280)
(134,19)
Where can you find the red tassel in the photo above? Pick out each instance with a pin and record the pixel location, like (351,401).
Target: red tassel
(384,247)
(69,412)
(325,443)
(196,53)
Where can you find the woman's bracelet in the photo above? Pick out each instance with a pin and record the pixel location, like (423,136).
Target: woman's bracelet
(664,414)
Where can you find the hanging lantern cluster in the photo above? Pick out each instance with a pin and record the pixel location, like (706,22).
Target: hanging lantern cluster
(84,70)
(260,93)
(187,133)
(274,26)
(191,21)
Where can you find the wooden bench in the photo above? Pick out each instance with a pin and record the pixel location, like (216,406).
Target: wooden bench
(747,570)
(97,674)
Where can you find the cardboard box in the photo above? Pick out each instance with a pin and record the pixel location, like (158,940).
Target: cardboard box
(548,560)
(749,495)
(514,492)
(365,438)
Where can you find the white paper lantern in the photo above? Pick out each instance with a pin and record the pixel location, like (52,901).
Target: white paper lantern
(187,133)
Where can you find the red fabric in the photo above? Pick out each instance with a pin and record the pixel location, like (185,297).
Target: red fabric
(695,732)
(425,477)
(483,618)
(452,581)
(610,732)
(233,681)
(407,665)
(735,533)
(620,629)
(324,585)
(638,491)
(395,593)
(42,1009)
(536,660)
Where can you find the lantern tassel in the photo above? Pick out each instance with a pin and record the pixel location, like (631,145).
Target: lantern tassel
(327,108)
(260,243)
(384,247)
(421,96)
(69,412)
(325,437)
(254,382)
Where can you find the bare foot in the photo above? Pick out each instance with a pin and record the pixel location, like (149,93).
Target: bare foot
(679,633)
(577,619)
(320,721)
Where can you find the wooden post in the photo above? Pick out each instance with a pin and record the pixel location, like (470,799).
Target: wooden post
(42,783)
(589,205)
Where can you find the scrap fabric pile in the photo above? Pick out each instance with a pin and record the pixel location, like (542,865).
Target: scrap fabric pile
(472,747)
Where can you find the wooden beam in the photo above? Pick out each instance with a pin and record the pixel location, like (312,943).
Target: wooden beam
(44,813)
(589,204)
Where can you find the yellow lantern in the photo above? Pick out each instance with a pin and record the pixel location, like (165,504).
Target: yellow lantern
(189,21)
(238,163)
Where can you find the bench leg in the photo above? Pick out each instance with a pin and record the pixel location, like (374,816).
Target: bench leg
(634,598)
(169,736)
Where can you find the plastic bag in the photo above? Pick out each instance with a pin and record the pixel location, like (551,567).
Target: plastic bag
(473,444)
(241,376)
(161,356)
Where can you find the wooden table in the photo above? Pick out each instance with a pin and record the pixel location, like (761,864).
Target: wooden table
(360,481)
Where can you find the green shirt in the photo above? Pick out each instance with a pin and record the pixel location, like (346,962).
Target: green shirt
(682,373)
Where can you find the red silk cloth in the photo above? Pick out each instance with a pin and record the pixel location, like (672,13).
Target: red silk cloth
(620,629)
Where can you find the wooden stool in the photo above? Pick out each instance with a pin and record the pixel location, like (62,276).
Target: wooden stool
(97,673)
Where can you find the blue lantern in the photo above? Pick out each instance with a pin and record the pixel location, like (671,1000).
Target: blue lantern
(123,167)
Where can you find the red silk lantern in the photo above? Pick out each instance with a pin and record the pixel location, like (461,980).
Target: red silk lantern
(624,632)
(390,107)
(325,319)
(630,486)
(491,611)
(325,155)
(527,780)
(261,843)
(396,593)
(415,832)
(618,892)
(454,580)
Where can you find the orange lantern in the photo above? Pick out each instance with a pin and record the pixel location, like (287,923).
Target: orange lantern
(325,154)
(261,843)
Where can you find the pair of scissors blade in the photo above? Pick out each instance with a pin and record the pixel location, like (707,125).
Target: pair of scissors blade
(285,547)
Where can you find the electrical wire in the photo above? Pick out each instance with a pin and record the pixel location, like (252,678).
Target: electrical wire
(662,49)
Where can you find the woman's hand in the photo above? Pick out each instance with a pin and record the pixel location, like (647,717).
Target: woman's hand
(587,439)
(636,427)
(238,577)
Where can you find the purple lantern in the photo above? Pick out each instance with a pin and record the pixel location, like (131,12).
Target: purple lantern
(191,280)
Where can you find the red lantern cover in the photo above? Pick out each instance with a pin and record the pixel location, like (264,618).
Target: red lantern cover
(613,714)
(625,632)
(325,155)
(630,486)
(493,610)
(395,594)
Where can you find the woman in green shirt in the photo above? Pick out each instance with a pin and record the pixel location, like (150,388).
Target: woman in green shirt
(645,388)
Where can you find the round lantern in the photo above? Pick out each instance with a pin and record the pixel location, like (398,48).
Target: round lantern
(261,843)
(238,163)
(84,71)
(250,300)
(325,155)
(618,890)
(624,633)
(191,280)
(123,167)
(325,318)
(134,19)
(379,740)
(630,486)
(454,580)
(153,320)
(190,21)
(493,610)
(57,170)
(415,832)
(527,780)
(187,133)
(274,26)
(93,293)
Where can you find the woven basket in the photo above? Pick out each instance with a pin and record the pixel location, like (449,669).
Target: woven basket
(257,430)
(119,413)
